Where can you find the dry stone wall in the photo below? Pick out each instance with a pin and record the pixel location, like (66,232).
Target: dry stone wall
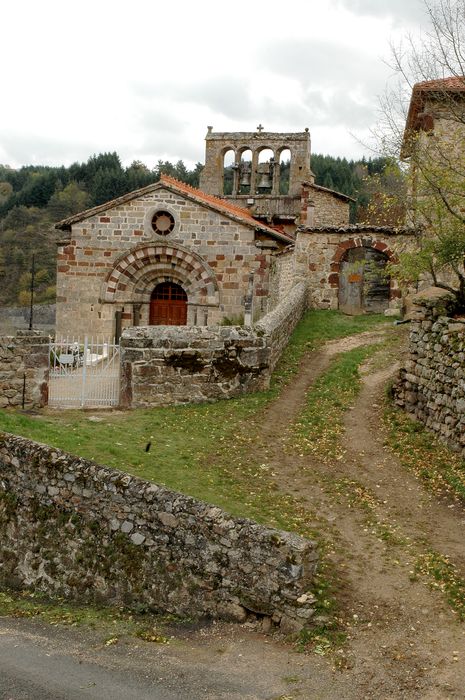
(163,365)
(24,370)
(431,384)
(74,528)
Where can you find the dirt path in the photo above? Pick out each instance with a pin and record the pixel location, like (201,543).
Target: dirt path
(403,639)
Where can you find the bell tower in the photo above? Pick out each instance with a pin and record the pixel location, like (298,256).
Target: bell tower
(261,170)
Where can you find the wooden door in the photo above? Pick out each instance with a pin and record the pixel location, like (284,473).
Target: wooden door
(363,285)
(351,283)
(168,305)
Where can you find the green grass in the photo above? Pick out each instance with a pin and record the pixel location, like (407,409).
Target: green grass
(418,449)
(319,427)
(443,576)
(193,448)
(317,327)
(112,622)
(181,437)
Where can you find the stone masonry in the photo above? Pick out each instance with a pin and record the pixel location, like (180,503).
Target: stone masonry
(24,368)
(303,203)
(320,250)
(110,260)
(178,364)
(431,385)
(71,527)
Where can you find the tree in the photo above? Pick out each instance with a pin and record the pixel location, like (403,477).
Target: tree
(6,190)
(423,122)
(381,196)
(70,200)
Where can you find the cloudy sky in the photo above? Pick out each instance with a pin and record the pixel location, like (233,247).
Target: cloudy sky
(145,78)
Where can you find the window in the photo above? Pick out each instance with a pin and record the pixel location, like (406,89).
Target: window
(163,223)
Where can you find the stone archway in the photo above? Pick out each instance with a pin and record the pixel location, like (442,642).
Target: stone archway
(357,273)
(135,274)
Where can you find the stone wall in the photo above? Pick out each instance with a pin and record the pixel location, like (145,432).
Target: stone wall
(24,368)
(431,385)
(13,318)
(74,528)
(163,365)
(281,321)
(282,276)
(320,250)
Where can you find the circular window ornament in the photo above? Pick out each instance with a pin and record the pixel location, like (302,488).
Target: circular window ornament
(162,223)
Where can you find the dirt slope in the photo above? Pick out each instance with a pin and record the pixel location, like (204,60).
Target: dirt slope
(404,640)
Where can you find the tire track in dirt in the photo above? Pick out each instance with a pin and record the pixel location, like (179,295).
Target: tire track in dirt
(403,639)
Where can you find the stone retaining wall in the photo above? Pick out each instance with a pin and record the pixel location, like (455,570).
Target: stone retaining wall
(431,384)
(279,323)
(163,365)
(24,367)
(74,528)
(13,318)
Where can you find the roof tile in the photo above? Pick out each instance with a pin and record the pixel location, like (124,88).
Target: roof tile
(455,83)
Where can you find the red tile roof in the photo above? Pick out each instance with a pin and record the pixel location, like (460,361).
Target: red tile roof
(223,204)
(441,86)
(207,198)
(452,84)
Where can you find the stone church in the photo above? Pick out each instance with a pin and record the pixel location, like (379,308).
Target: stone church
(171,254)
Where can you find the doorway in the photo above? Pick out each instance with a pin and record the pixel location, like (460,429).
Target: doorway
(364,286)
(168,305)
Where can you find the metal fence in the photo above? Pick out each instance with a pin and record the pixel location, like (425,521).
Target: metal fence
(84,373)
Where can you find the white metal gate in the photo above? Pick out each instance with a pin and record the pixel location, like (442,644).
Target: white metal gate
(84,373)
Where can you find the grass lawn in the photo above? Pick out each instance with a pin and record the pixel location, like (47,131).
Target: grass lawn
(198,449)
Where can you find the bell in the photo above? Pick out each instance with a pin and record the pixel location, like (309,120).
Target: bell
(264,182)
(245,177)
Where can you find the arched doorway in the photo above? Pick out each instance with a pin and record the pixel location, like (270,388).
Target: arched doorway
(364,286)
(168,305)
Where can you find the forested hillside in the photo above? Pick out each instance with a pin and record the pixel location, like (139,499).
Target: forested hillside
(33,198)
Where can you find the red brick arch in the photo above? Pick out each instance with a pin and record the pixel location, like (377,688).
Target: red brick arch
(362,242)
(135,274)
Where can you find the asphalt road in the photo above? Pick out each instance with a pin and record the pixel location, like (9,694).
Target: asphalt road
(31,672)
(40,661)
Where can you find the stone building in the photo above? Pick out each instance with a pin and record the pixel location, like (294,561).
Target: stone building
(170,254)
(433,148)
(167,254)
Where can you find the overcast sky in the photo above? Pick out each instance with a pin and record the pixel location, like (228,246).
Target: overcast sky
(145,78)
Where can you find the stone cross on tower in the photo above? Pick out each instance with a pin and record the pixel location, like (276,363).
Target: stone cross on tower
(260,128)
